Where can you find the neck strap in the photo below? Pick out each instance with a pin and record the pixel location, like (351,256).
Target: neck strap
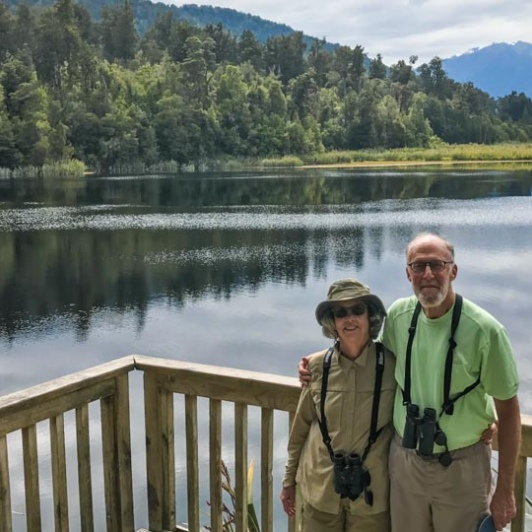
(373,433)
(448,402)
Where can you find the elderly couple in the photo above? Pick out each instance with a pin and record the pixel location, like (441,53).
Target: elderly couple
(395,435)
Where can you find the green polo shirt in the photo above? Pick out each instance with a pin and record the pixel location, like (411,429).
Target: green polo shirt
(348,408)
(483,348)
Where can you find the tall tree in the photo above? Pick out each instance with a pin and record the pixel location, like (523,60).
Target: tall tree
(225,44)
(377,69)
(284,56)
(119,35)
(250,50)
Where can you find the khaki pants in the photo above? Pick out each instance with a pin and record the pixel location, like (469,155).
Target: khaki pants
(428,497)
(313,520)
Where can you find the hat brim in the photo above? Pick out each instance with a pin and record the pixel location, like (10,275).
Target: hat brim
(325,306)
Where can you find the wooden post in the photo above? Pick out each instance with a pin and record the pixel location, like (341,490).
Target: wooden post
(153,451)
(84,469)
(215,448)
(31,479)
(191,423)
(518,523)
(241,467)
(266,477)
(59,477)
(5,493)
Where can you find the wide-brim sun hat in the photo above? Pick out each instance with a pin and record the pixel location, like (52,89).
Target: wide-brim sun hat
(346,290)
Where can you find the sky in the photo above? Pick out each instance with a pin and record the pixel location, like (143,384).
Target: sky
(398,29)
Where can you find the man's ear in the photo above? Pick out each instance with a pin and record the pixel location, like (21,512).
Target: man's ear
(454,272)
(408,274)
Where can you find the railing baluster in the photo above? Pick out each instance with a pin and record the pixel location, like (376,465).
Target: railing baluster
(215,454)
(293,522)
(518,523)
(123,453)
(168,459)
(191,418)
(241,466)
(84,468)
(110,474)
(59,478)
(266,476)
(5,492)
(31,479)
(153,450)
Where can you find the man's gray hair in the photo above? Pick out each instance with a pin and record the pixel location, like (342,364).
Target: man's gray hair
(448,243)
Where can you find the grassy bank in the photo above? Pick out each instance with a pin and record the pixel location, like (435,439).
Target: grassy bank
(520,155)
(445,153)
(61,169)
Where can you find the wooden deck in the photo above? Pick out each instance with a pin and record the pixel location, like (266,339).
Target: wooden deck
(164,383)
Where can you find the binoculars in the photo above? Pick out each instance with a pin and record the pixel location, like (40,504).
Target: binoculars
(423,431)
(350,476)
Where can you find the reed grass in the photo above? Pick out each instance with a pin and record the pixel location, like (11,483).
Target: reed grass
(60,169)
(442,153)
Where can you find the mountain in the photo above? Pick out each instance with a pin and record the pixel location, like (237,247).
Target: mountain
(146,12)
(497,69)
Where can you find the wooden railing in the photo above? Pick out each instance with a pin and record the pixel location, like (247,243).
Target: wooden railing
(164,382)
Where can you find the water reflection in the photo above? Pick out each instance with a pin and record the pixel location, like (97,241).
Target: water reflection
(227,269)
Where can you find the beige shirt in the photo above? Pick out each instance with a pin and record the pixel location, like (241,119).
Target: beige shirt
(348,408)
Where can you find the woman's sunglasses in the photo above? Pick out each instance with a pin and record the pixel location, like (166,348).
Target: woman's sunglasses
(356,310)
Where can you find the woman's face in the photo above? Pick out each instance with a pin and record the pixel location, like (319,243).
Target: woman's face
(351,321)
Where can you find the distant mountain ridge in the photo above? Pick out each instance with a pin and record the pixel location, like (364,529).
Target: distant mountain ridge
(497,69)
(146,13)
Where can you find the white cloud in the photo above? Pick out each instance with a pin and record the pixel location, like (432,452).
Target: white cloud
(400,28)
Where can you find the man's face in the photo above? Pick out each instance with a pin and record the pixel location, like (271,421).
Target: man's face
(432,288)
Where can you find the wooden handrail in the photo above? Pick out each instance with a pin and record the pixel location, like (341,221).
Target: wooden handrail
(163,379)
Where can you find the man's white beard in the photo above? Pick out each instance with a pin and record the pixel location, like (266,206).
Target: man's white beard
(432,300)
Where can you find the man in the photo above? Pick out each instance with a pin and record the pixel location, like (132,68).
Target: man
(440,470)
(426,492)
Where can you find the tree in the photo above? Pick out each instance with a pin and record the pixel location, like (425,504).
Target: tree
(9,155)
(24,27)
(119,36)
(250,50)
(320,61)
(349,63)
(59,52)
(433,79)
(225,45)
(234,115)
(377,69)
(303,94)
(284,56)
(6,24)
(197,69)
(516,107)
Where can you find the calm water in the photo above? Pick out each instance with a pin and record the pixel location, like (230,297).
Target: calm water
(227,269)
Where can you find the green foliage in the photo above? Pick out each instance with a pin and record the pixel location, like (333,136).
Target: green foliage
(191,97)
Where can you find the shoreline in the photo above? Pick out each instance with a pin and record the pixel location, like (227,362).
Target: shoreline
(371,164)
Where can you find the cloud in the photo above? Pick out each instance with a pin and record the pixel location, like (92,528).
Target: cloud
(400,28)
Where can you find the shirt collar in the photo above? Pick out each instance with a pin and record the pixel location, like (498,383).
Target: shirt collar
(346,363)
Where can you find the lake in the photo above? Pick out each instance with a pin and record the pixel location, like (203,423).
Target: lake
(227,268)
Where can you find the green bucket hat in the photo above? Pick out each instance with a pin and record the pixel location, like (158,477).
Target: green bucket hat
(344,290)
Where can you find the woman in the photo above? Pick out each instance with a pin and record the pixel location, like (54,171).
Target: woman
(338,446)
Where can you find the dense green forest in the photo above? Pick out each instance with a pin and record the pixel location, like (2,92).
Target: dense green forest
(98,92)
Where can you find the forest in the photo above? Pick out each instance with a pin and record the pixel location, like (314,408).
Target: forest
(96,91)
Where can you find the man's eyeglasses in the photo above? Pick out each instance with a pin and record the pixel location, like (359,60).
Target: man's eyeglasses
(436,266)
(356,310)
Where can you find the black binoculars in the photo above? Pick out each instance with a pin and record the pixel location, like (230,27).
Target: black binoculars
(350,476)
(422,430)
